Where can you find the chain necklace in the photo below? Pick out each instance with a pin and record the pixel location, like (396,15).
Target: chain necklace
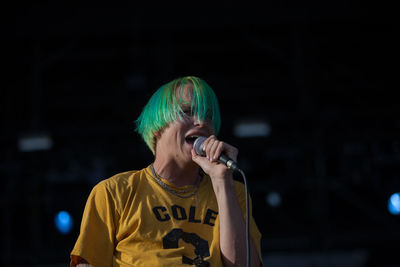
(184,193)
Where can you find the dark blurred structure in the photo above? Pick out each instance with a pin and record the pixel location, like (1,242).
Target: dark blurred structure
(320,74)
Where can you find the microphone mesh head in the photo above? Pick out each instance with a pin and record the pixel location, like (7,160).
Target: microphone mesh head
(198,145)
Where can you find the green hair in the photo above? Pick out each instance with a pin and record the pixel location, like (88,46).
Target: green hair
(165,107)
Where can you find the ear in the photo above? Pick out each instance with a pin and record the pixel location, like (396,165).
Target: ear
(157,134)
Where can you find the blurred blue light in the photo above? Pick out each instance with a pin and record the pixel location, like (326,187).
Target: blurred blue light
(394,204)
(64,222)
(273,199)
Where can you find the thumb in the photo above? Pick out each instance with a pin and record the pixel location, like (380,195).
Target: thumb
(201,161)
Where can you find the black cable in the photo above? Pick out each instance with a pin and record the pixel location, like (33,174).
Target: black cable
(247,218)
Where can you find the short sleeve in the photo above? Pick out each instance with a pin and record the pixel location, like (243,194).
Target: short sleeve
(95,243)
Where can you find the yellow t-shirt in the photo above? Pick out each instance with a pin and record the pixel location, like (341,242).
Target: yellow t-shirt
(130,220)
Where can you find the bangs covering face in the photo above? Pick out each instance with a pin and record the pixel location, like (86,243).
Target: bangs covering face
(187,96)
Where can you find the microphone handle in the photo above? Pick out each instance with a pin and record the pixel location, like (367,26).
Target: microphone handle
(228,162)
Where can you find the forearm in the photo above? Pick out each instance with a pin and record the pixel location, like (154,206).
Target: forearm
(233,242)
(232,224)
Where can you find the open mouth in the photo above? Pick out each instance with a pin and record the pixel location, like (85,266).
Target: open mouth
(191,138)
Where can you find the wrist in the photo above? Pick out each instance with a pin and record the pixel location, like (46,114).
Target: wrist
(224,184)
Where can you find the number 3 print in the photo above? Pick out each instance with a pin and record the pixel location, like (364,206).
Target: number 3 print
(201,248)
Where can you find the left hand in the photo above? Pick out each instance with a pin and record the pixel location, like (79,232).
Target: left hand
(210,164)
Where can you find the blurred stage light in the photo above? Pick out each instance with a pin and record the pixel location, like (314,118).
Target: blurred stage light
(273,199)
(64,222)
(251,128)
(34,142)
(394,204)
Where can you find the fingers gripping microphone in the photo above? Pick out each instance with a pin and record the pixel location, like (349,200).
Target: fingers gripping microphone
(198,147)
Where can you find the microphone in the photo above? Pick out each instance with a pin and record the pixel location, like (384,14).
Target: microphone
(198,147)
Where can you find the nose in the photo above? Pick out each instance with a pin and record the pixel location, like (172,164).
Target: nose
(199,122)
(204,124)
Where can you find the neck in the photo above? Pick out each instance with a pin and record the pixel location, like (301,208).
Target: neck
(178,174)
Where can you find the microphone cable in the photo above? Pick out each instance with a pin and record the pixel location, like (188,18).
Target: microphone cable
(247,217)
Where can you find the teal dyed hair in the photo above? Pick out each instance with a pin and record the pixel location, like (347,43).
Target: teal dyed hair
(165,107)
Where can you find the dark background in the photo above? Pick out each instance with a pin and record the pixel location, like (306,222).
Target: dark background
(322,74)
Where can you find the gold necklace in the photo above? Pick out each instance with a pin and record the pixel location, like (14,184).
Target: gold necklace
(184,193)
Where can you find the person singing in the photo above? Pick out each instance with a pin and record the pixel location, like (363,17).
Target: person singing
(183,209)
